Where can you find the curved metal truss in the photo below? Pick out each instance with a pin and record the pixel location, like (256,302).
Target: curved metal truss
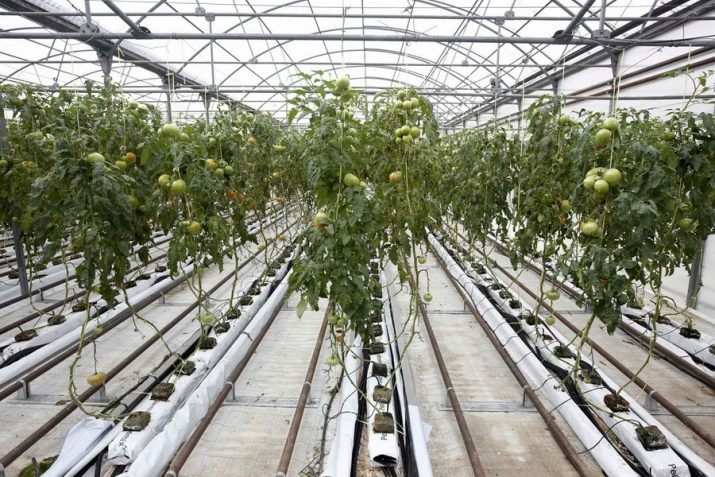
(469,55)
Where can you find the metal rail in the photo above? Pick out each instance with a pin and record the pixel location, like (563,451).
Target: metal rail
(561,439)
(669,355)
(366,16)
(303,399)
(451,393)
(188,447)
(64,301)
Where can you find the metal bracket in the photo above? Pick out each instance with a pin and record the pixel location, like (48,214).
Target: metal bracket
(525,402)
(650,403)
(24,392)
(233,391)
(601,34)
(103,394)
(106,58)
(89,28)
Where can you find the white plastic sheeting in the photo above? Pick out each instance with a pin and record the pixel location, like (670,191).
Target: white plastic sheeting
(18,367)
(155,457)
(601,450)
(404,380)
(659,462)
(127,445)
(47,334)
(339,460)
(667,334)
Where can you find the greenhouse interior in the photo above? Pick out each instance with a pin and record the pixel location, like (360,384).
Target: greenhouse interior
(357,238)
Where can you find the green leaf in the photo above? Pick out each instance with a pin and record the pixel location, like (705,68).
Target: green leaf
(302,305)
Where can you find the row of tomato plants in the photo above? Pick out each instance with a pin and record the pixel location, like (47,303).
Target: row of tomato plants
(613,202)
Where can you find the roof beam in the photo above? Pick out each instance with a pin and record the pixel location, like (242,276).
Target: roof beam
(617,43)
(62,26)
(539,80)
(136,29)
(566,35)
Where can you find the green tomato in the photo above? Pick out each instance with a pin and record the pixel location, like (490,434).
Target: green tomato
(404,130)
(212,142)
(178,187)
(206,319)
(95,158)
(363,184)
(565,119)
(553,295)
(427,297)
(332,319)
(415,103)
(401,95)
(421,260)
(398,140)
(589,182)
(610,123)
(333,360)
(133,201)
(321,218)
(668,135)
(350,180)
(686,223)
(219,172)
(3,164)
(415,132)
(601,186)
(194,228)
(228,170)
(591,228)
(603,137)
(407,104)
(164,180)
(596,171)
(399,105)
(342,83)
(407,139)
(612,176)
(211,164)
(121,165)
(550,320)
(171,130)
(565,205)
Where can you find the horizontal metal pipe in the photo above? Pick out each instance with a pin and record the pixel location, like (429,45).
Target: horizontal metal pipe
(529,40)
(119,60)
(380,16)
(372,91)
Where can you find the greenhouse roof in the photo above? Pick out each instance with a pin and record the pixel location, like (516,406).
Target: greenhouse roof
(462,54)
